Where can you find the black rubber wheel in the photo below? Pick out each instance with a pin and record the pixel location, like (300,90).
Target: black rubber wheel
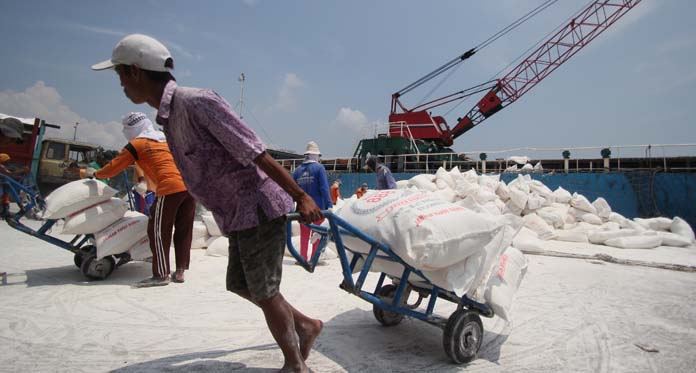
(84,251)
(463,336)
(95,269)
(387,318)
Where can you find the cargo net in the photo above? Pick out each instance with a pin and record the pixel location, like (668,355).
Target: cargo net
(643,183)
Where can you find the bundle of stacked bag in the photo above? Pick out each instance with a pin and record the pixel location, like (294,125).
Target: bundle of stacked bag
(89,206)
(551,215)
(466,232)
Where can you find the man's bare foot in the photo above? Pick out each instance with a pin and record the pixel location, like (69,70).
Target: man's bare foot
(290,369)
(308,333)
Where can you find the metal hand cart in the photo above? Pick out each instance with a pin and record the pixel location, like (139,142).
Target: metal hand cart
(462,330)
(85,253)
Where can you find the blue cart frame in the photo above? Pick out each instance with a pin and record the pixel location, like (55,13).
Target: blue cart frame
(463,330)
(85,257)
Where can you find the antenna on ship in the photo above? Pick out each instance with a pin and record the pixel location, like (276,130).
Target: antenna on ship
(241,95)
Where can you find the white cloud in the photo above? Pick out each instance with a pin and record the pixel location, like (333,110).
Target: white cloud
(356,121)
(286,99)
(42,101)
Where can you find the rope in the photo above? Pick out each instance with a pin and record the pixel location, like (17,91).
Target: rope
(610,259)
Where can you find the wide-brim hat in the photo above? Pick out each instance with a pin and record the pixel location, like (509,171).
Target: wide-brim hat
(312,148)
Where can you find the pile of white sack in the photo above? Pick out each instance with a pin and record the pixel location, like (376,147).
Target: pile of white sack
(455,247)
(551,215)
(88,207)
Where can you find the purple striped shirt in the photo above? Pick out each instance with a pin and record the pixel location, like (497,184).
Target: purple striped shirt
(215,151)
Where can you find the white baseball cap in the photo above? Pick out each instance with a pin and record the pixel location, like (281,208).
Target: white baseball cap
(138,49)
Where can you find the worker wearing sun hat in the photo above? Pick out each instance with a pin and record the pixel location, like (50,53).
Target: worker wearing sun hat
(174,208)
(311,177)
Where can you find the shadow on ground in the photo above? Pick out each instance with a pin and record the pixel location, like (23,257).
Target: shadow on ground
(209,361)
(127,275)
(357,342)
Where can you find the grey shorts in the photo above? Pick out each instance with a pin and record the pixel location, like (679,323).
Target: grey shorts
(255,261)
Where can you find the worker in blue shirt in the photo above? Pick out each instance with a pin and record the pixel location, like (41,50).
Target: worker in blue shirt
(385,180)
(311,177)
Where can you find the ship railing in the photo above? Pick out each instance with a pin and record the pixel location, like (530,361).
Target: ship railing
(662,157)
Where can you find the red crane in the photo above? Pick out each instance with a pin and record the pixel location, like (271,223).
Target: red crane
(417,123)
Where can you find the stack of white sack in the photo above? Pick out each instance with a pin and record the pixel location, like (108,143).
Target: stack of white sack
(454,247)
(552,215)
(217,244)
(88,207)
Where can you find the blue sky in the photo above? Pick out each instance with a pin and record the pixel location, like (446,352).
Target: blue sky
(325,70)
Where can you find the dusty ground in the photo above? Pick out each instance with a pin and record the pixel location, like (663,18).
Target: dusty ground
(569,315)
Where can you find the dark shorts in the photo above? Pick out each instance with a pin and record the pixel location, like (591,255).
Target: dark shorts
(256,258)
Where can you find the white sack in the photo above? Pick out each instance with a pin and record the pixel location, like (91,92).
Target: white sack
(527,168)
(539,226)
(656,224)
(512,168)
(635,242)
(489,182)
(527,241)
(75,196)
(502,191)
(199,235)
(443,179)
(446,194)
(602,207)
(610,226)
(673,239)
(538,167)
(519,198)
(506,279)
(539,188)
(552,216)
(466,188)
(118,237)
(591,219)
(682,228)
(211,225)
(423,182)
(561,195)
(617,218)
(141,249)
(519,159)
(511,208)
(535,202)
(402,184)
(431,234)
(95,218)
(581,203)
(572,235)
(601,236)
(217,246)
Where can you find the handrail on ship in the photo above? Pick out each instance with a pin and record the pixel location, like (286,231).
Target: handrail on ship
(430,162)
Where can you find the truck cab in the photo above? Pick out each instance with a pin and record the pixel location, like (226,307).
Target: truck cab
(61,160)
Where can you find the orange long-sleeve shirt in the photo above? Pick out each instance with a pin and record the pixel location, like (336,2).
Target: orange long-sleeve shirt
(156,161)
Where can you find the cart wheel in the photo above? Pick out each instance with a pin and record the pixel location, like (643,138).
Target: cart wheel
(95,269)
(463,336)
(387,318)
(84,251)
